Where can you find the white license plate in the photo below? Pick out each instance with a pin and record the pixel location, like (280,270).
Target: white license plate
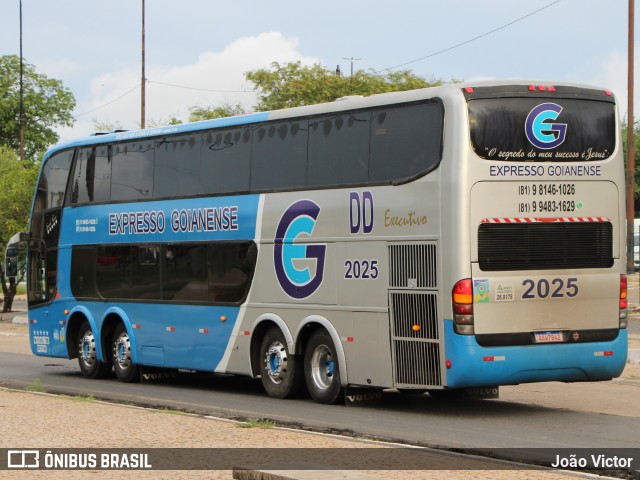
(548,337)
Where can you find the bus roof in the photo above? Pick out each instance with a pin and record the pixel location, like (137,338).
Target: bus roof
(342,104)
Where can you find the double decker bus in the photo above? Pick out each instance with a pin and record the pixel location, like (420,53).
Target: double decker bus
(468,235)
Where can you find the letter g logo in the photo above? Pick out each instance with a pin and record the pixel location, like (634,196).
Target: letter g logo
(292,260)
(540,130)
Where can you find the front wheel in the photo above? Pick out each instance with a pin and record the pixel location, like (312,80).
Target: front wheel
(88,361)
(280,372)
(123,365)
(321,370)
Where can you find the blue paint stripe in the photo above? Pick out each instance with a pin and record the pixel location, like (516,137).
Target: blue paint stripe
(532,363)
(186,220)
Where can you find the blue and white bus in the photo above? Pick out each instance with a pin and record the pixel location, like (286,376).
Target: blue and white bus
(468,235)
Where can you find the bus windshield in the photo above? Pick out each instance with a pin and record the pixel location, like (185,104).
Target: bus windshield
(542,129)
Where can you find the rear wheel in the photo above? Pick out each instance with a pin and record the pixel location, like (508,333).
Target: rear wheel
(280,372)
(123,365)
(88,361)
(321,370)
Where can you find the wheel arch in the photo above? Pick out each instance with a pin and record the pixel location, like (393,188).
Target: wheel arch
(315,322)
(258,329)
(112,317)
(77,316)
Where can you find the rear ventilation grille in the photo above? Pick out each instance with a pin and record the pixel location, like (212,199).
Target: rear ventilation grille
(415,335)
(540,246)
(417,364)
(412,266)
(417,310)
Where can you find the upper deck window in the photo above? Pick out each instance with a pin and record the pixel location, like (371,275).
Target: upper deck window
(373,146)
(53,181)
(542,129)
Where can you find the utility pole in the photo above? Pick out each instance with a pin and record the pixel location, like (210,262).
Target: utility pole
(144,80)
(352,59)
(630,145)
(21,92)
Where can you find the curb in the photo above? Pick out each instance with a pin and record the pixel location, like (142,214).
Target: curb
(20,319)
(240,473)
(634,356)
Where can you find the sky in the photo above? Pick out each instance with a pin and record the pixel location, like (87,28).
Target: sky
(197,51)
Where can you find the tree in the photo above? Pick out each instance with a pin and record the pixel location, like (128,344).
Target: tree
(106,126)
(198,113)
(294,85)
(17,184)
(47,104)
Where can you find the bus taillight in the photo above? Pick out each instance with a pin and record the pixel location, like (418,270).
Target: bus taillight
(462,299)
(623,301)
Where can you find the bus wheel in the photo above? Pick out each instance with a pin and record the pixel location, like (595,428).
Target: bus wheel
(280,372)
(321,369)
(87,359)
(123,365)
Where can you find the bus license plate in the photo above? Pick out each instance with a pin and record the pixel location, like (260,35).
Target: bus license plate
(548,337)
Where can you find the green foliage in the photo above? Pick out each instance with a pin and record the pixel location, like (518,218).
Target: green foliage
(258,423)
(35,386)
(47,104)
(106,126)
(17,184)
(199,113)
(294,85)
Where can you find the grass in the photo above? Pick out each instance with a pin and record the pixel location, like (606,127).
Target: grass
(258,423)
(35,386)
(83,398)
(168,411)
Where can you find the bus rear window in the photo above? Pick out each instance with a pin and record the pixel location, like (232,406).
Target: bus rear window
(542,129)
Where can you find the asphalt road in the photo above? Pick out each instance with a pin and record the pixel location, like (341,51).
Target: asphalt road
(464,426)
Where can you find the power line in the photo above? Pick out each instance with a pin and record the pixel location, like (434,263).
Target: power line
(198,89)
(108,103)
(160,83)
(472,39)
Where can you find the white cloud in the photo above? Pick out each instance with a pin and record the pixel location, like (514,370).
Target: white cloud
(215,78)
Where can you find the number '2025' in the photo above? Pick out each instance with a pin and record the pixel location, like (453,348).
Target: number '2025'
(554,288)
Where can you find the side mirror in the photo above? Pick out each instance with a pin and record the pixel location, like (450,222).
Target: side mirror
(11,255)
(11,262)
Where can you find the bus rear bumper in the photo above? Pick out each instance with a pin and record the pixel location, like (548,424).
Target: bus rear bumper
(475,366)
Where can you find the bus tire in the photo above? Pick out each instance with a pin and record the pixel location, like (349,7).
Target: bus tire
(321,369)
(123,366)
(280,372)
(90,366)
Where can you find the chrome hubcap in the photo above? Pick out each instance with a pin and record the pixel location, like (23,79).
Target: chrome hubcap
(322,367)
(122,351)
(87,349)
(275,362)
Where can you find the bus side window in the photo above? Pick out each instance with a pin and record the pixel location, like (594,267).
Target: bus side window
(132,171)
(405,141)
(177,166)
(279,155)
(339,149)
(226,161)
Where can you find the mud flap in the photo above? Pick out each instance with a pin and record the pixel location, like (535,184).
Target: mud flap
(481,393)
